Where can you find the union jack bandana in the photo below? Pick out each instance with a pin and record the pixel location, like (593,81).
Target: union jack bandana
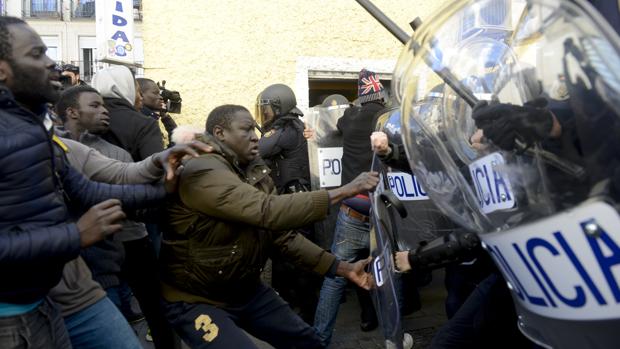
(369,87)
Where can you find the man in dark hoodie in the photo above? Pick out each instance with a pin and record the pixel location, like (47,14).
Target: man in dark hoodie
(140,136)
(129,129)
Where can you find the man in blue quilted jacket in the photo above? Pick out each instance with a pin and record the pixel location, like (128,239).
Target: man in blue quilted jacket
(36,187)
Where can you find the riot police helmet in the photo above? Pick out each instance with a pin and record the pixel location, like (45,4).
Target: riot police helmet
(275,101)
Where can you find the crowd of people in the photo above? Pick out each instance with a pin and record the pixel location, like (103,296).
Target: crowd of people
(89,190)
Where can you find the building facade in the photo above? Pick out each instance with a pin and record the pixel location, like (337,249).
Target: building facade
(217,52)
(68,29)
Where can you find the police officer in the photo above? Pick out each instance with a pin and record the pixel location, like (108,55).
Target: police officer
(283,145)
(285,150)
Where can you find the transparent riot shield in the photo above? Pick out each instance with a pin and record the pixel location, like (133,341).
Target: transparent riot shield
(382,241)
(525,151)
(424,222)
(325,156)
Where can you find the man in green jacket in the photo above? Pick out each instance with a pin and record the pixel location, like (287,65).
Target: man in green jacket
(224,223)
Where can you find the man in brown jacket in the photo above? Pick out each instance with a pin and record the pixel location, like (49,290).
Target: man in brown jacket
(225,222)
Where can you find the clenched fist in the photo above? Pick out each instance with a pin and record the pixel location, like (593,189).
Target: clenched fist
(100,221)
(365,182)
(379,143)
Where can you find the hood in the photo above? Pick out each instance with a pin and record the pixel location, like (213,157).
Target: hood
(116,82)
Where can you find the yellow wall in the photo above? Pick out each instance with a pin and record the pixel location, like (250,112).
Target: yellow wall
(217,52)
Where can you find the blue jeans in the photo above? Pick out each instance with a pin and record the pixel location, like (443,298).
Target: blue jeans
(101,326)
(121,297)
(265,316)
(351,243)
(41,328)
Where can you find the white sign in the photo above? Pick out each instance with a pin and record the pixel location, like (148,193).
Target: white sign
(115,41)
(330,166)
(406,186)
(566,266)
(492,187)
(382,266)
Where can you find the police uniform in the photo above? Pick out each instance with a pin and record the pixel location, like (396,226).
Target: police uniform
(285,149)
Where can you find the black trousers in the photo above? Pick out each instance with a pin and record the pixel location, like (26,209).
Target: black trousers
(140,270)
(265,316)
(486,320)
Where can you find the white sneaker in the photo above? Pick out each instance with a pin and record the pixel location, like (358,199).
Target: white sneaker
(407,341)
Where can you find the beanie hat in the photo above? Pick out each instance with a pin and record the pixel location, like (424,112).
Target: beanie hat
(369,88)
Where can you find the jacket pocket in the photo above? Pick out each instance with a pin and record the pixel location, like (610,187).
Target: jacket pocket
(216,264)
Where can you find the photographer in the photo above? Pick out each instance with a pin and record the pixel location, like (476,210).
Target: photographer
(70,76)
(155,105)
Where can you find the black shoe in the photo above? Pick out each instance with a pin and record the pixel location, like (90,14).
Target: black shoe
(134,317)
(367,326)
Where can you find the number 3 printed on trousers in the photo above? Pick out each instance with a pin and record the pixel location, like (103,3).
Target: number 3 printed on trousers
(203,323)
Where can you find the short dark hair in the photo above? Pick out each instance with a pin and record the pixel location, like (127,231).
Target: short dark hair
(71,68)
(6,46)
(223,116)
(70,99)
(144,81)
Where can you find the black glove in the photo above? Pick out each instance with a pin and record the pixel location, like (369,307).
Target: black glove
(504,123)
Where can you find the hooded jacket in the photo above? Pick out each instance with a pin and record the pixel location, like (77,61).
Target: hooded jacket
(224,224)
(129,129)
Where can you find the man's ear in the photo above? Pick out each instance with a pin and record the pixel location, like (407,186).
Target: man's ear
(218,132)
(72,113)
(6,72)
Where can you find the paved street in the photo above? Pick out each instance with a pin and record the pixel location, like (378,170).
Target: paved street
(422,324)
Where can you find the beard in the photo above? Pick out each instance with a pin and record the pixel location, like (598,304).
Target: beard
(31,89)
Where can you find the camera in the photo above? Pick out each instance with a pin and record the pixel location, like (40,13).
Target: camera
(171,98)
(65,81)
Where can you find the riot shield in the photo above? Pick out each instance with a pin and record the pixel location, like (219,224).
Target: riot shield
(325,156)
(382,242)
(545,205)
(424,222)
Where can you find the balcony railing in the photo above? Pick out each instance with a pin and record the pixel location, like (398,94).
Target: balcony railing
(86,9)
(137,10)
(90,68)
(82,8)
(41,8)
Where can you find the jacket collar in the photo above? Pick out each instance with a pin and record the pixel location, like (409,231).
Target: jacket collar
(85,138)
(149,112)
(117,102)
(7,102)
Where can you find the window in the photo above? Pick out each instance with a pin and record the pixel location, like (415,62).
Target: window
(88,57)
(83,8)
(493,16)
(53,46)
(41,8)
(137,10)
